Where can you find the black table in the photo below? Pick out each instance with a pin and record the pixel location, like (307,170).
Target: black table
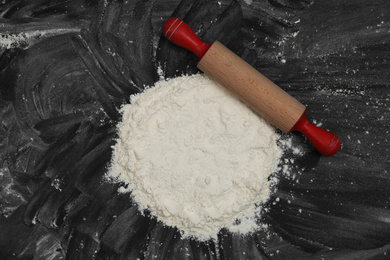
(67,66)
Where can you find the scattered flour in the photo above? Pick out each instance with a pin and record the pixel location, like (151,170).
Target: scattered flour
(248,2)
(195,157)
(24,39)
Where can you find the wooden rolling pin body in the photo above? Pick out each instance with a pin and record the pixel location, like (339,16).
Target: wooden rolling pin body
(262,95)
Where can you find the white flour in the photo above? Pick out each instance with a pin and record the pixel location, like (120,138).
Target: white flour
(195,157)
(24,39)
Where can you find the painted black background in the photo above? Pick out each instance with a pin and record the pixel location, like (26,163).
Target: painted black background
(60,92)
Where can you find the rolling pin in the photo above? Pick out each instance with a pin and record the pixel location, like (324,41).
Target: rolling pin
(259,93)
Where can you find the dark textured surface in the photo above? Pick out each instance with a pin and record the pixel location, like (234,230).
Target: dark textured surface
(60,91)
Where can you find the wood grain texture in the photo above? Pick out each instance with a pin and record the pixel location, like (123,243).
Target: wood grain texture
(253,88)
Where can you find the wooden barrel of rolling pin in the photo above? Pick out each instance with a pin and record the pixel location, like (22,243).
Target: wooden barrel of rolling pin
(261,94)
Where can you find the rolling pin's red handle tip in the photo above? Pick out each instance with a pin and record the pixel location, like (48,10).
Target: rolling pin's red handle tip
(179,33)
(325,142)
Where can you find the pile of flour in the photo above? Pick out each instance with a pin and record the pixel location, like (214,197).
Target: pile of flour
(195,157)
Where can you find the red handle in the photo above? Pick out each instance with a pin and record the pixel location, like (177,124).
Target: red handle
(179,33)
(325,142)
